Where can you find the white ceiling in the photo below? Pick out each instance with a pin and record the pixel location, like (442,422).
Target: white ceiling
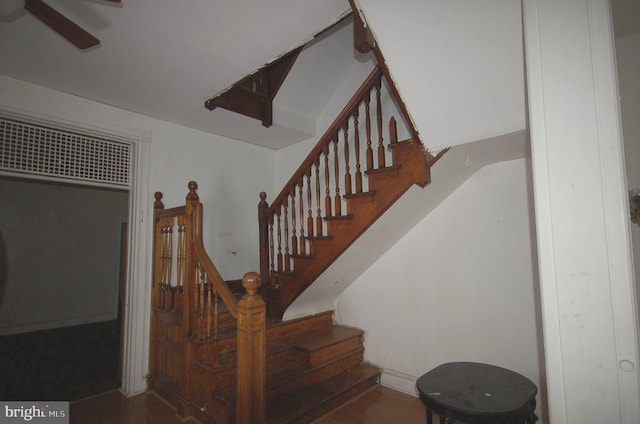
(164,58)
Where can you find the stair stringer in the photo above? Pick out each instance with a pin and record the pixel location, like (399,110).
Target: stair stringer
(451,170)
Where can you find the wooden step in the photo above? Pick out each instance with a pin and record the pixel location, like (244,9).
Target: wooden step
(298,357)
(324,343)
(304,406)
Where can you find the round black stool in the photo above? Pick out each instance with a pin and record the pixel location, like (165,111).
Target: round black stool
(472,393)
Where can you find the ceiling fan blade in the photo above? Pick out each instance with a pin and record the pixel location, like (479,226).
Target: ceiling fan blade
(61,24)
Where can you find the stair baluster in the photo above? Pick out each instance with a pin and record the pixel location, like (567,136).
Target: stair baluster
(328,210)
(381,154)
(347,173)
(356,141)
(336,168)
(287,257)
(336,161)
(319,210)
(302,241)
(367,109)
(186,315)
(294,233)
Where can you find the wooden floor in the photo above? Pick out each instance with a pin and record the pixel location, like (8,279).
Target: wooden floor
(377,406)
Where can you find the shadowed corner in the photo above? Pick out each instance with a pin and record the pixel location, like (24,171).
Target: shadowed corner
(4,269)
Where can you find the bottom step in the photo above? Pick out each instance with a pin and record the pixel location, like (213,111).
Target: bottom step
(317,400)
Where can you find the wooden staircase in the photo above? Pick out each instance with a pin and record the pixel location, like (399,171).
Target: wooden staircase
(219,350)
(327,204)
(313,366)
(386,185)
(306,367)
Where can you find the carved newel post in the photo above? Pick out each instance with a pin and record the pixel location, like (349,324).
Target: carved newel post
(251,388)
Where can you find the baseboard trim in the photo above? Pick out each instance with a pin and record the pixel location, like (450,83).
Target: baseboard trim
(399,381)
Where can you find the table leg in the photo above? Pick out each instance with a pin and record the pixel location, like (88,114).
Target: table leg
(429,417)
(531,416)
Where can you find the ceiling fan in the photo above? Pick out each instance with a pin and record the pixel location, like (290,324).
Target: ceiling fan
(54,20)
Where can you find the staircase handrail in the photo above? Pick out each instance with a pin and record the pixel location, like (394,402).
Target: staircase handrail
(327,137)
(250,313)
(194,207)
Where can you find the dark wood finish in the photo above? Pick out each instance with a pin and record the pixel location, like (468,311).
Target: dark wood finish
(114,408)
(313,366)
(292,266)
(61,24)
(231,362)
(475,393)
(378,405)
(250,386)
(188,319)
(363,40)
(253,95)
(386,185)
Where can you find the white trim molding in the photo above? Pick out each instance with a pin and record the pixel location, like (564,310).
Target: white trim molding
(582,224)
(137,299)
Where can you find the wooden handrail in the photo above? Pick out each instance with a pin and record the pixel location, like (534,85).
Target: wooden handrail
(354,144)
(193,305)
(327,137)
(194,208)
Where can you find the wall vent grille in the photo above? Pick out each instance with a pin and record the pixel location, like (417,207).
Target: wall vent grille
(46,152)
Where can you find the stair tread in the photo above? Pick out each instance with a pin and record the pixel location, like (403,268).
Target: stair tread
(299,256)
(319,338)
(369,193)
(291,405)
(274,377)
(319,237)
(338,217)
(383,170)
(310,340)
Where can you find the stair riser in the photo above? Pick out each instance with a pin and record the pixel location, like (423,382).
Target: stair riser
(298,326)
(320,356)
(331,404)
(320,373)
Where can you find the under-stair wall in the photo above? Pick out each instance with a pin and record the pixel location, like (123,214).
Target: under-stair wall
(453,169)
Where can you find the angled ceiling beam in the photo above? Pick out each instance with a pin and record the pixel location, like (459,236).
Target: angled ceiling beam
(363,39)
(253,95)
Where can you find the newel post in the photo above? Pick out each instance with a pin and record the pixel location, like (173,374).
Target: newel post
(251,380)
(263,230)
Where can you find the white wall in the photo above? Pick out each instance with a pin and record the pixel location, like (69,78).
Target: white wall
(628,57)
(61,254)
(169,155)
(460,286)
(458,65)
(230,174)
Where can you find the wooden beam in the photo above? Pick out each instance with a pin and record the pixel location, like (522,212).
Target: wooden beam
(253,95)
(363,39)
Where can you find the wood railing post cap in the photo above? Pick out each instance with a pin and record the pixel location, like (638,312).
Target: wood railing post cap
(251,282)
(158,203)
